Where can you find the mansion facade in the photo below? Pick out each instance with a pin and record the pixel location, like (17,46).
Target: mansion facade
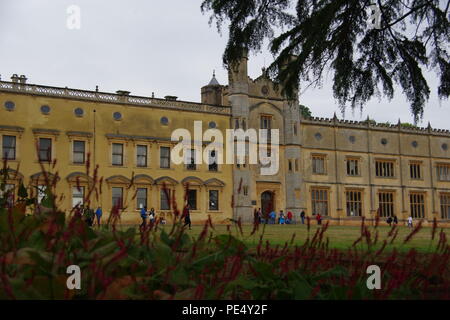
(343,170)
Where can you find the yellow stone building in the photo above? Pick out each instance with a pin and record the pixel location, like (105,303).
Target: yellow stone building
(342,169)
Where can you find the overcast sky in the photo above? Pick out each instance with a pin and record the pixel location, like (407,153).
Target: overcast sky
(165,47)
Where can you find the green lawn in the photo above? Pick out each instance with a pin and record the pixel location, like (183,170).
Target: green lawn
(339,236)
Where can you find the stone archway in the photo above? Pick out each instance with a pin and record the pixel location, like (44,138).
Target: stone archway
(267,202)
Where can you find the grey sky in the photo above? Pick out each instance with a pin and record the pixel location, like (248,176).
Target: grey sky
(166,47)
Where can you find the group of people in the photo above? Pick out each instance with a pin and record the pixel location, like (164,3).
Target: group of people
(281,218)
(271,218)
(151,215)
(90,216)
(393,220)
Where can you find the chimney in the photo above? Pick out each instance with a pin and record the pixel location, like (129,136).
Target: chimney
(23,79)
(15,78)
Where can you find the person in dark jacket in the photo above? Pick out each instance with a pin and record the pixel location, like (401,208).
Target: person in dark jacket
(143,217)
(98,215)
(389,221)
(187,217)
(395,220)
(302,216)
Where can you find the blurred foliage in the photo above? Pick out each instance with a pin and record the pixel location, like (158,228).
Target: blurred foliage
(157,263)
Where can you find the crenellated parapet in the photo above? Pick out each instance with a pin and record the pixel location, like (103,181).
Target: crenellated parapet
(372,125)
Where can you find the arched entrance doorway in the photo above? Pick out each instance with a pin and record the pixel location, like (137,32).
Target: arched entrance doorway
(267,202)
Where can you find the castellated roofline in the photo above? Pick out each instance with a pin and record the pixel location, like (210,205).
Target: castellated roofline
(377,126)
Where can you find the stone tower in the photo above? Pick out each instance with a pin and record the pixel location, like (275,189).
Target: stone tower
(238,97)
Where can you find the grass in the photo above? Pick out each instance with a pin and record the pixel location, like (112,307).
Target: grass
(341,237)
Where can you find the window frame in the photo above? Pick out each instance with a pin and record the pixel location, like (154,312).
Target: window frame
(320,196)
(415,170)
(166,157)
(14,148)
(317,157)
(82,188)
(113,202)
(49,150)
(445,205)
(445,168)
(217,206)
(417,207)
(385,204)
(74,152)
(354,199)
(357,168)
(121,154)
(140,156)
(380,170)
(138,198)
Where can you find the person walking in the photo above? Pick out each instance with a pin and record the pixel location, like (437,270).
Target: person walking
(281,219)
(187,217)
(255,216)
(89,216)
(143,217)
(302,217)
(289,217)
(319,218)
(395,220)
(273,217)
(98,215)
(410,222)
(260,218)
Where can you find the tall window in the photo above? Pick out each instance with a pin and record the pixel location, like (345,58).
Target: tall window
(445,206)
(9,147)
(415,170)
(192,199)
(190,160)
(117,197)
(443,172)
(319,201)
(266,123)
(212,166)
(417,204)
(318,164)
(384,168)
(164,157)
(141,152)
(78,152)
(354,203)
(213,200)
(77,196)
(386,204)
(141,198)
(236,123)
(45,149)
(352,167)
(290,165)
(165,199)
(117,154)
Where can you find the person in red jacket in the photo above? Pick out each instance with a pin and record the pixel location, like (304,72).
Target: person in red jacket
(289,217)
(319,218)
